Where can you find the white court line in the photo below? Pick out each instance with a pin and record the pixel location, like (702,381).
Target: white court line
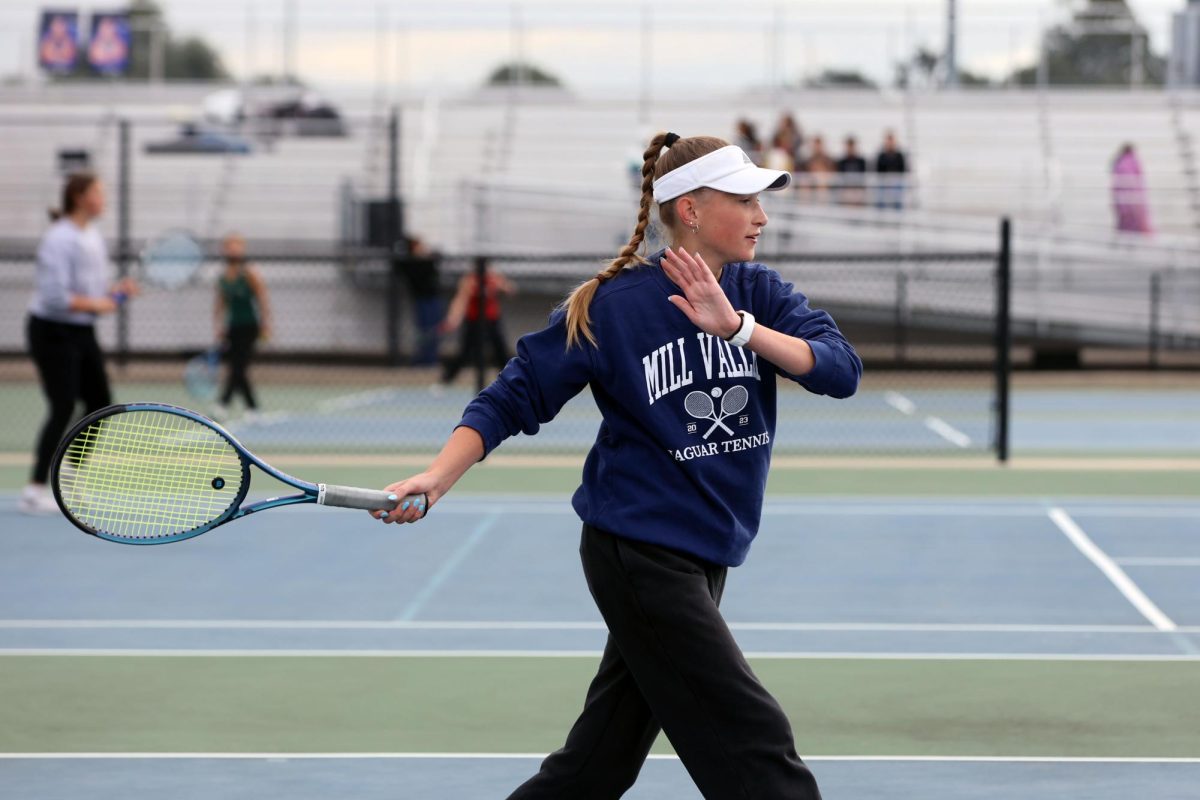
(900,403)
(535,625)
(1152,561)
(588,654)
(1113,572)
(358,400)
(451,563)
(289,756)
(948,432)
(936,424)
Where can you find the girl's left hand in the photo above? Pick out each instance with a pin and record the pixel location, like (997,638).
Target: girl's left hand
(704,303)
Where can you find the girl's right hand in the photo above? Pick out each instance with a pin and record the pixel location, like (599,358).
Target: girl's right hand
(128,287)
(425,483)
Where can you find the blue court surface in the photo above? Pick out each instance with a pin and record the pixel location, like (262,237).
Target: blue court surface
(1069,583)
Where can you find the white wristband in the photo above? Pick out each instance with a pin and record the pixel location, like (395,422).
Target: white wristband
(742,335)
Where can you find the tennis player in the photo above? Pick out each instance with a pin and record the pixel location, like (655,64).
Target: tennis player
(73,287)
(669,501)
(241,316)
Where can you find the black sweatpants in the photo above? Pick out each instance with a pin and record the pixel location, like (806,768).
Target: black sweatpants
(670,662)
(241,341)
(475,336)
(70,366)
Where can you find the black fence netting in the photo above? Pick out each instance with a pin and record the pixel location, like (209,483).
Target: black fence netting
(361,357)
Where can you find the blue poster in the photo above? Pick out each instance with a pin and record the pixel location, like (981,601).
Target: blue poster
(58,41)
(108,49)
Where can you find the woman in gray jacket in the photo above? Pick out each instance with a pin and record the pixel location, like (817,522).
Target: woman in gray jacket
(74,287)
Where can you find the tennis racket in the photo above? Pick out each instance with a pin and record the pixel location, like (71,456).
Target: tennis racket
(171,259)
(147,473)
(201,374)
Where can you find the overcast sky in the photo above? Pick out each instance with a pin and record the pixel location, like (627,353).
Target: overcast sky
(593,45)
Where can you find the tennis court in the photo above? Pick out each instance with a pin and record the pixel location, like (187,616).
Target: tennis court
(958,644)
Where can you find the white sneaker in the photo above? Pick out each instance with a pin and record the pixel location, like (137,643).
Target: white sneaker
(36,499)
(220,412)
(250,417)
(437,389)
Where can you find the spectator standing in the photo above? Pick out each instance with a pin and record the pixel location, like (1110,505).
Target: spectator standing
(892,168)
(421,270)
(821,170)
(747,139)
(852,173)
(791,138)
(779,154)
(1129,192)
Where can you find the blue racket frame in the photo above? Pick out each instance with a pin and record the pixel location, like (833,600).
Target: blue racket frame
(309,492)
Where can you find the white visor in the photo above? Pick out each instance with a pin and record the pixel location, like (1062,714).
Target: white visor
(726,170)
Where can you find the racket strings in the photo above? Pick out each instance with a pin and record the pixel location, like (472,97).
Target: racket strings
(145,474)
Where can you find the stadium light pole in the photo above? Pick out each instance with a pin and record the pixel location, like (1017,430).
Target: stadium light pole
(289,38)
(951,80)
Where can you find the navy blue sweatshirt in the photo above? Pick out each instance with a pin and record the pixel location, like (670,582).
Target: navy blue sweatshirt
(681,457)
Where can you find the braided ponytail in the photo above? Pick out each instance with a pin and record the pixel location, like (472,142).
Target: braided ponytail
(577,303)
(655,163)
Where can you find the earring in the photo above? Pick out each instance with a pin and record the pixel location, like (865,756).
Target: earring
(695,227)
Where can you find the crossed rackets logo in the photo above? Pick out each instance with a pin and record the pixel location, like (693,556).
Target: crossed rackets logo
(700,405)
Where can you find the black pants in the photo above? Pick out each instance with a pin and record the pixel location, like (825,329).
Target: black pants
(71,368)
(475,335)
(241,340)
(670,661)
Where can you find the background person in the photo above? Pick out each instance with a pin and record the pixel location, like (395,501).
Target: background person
(480,308)
(1129,192)
(242,316)
(74,286)
(892,169)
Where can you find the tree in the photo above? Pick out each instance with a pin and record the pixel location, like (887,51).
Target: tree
(1101,45)
(523,73)
(923,70)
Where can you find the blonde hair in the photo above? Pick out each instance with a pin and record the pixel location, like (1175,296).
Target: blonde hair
(655,164)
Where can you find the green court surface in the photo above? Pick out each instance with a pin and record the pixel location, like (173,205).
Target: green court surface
(469,704)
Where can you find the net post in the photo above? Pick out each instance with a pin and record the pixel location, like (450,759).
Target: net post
(1003,337)
(1155,318)
(124,256)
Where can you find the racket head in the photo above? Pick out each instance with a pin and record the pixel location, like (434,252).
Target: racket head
(698,404)
(734,400)
(201,374)
(171,259)
(148,474)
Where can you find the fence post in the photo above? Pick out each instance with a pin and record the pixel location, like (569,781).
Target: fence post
(480,299)
(398,250)
(1003,337)
(124,246)
(901,320)
(1155,318)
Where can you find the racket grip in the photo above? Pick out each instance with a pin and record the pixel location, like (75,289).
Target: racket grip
(365,499)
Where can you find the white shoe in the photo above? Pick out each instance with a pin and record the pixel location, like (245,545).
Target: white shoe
(437,389)
(36,499)
(220,412)
(250,417)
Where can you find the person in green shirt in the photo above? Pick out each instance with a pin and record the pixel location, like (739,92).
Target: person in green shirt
(241,317)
